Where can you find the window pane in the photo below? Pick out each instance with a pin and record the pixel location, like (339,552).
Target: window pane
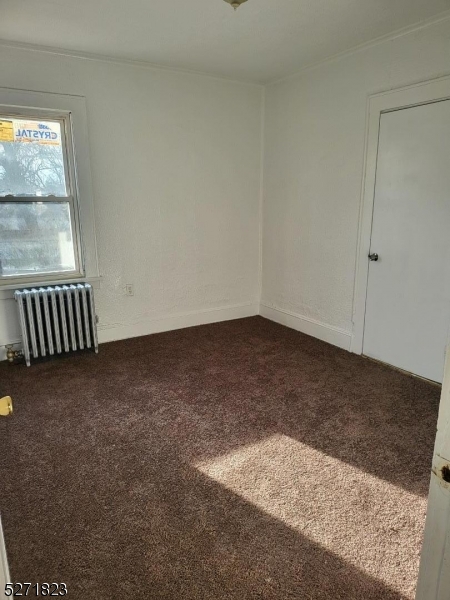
(35,237)
(31,158)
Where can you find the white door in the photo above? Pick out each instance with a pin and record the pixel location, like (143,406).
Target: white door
(434,576)
(408,295)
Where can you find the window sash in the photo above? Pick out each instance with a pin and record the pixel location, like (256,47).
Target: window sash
(53,275)
(71,198)
(64,122)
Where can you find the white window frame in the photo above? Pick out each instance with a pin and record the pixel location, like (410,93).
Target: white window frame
(71,198)
(70,111)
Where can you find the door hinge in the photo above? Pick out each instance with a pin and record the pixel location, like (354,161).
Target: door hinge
(441,468)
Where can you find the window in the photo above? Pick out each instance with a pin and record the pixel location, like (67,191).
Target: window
(39,224)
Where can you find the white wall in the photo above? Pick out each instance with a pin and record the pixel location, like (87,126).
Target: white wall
(314,145)
(176,175)
(176,192)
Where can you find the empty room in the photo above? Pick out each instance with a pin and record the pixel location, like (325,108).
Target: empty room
(225,299)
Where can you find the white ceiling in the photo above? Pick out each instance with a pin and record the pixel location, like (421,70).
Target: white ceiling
(263,41)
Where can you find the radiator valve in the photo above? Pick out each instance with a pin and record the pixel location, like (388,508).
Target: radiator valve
(12,355)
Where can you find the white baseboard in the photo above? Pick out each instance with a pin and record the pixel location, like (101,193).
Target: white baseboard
(122,331)
(110,333)
(327,333)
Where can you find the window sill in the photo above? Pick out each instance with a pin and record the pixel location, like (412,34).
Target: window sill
(7,290)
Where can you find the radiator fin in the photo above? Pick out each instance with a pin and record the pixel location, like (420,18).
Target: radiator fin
(48,325)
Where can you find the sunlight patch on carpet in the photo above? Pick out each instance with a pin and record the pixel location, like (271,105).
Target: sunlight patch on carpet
(366,521)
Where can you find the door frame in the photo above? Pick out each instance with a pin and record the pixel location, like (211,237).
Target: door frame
(426,92)
(4,570)
(434,575)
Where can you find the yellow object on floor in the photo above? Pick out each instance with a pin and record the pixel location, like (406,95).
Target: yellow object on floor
(6,406)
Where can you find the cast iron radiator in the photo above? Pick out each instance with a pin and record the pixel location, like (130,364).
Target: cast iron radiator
(57,319)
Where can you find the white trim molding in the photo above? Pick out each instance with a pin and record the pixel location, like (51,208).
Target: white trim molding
(122,331)
(322,331)
(4,569)
(415,95)
(7,291)
(434,573)
(18,101)
(117,60)
(398,33)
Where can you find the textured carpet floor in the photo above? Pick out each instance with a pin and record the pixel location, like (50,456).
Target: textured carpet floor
(235,461)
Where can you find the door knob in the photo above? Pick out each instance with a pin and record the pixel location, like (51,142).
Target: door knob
(373,257)
(6,406)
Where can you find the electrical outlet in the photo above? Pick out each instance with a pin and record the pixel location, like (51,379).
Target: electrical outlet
(129,289)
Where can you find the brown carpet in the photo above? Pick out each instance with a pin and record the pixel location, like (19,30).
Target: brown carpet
(235,461)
